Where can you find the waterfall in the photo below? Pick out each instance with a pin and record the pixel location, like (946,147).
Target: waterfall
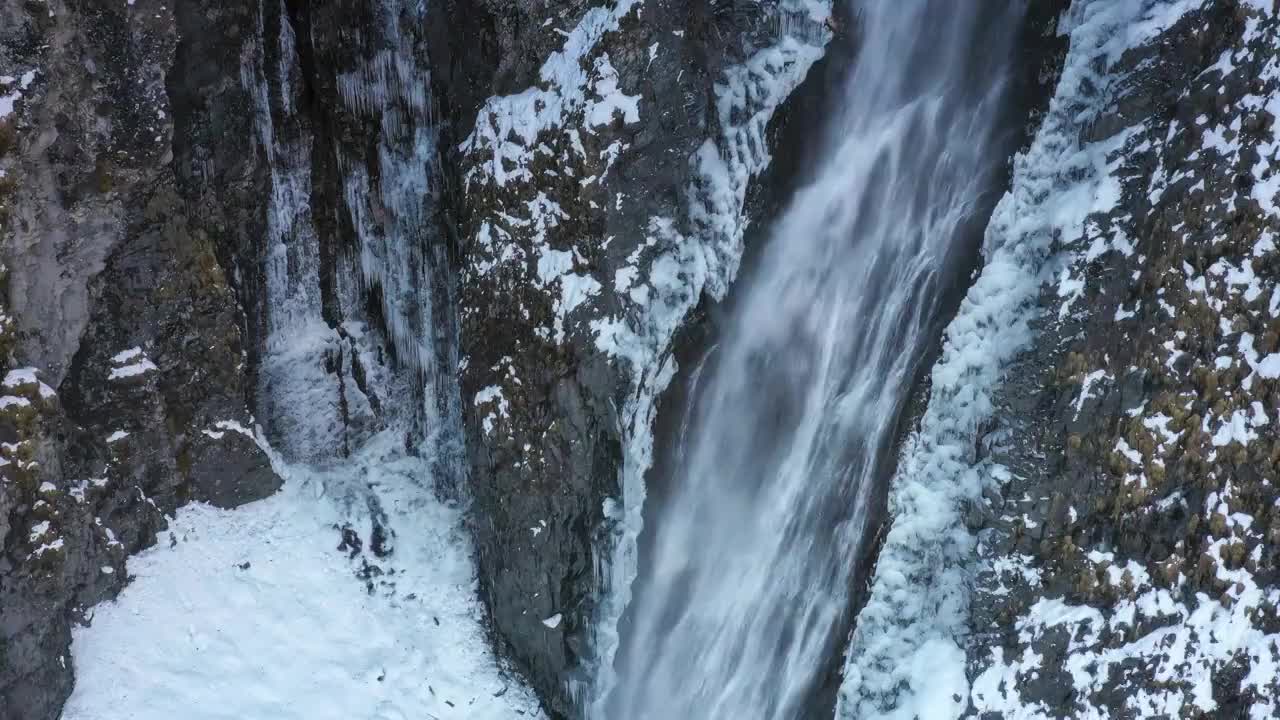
(748,592)
(297,338)
(377,358)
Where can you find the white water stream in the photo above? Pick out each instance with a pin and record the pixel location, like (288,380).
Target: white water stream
(745,603)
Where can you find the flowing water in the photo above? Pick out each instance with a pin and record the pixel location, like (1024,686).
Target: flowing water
(746,601)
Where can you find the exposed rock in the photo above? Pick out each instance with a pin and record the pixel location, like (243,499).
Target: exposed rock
(116,299)
(1129,566)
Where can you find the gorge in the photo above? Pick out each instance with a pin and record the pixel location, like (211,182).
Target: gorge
(639,359)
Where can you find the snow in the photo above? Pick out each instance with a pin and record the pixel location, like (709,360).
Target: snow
(1239,427)
(38,531)
(1267,366)
(20,377)
(234,426)
(507,127)
(612,100)
(10,100)
(1175,644)
(254,614)
(556,266)
(1086,388)
(141,367)
(1133,456)
(492,394)
(56,544)
(125,356)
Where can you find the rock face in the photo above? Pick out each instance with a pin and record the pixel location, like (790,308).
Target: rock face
(125,392)
(1129,562)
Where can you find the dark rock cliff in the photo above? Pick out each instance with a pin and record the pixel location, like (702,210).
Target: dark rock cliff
(125,394)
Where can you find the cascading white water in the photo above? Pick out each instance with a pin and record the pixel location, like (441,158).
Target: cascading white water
(297,338)
(748,591)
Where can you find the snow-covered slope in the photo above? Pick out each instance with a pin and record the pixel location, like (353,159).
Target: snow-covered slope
(1129,570)
(291,607)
